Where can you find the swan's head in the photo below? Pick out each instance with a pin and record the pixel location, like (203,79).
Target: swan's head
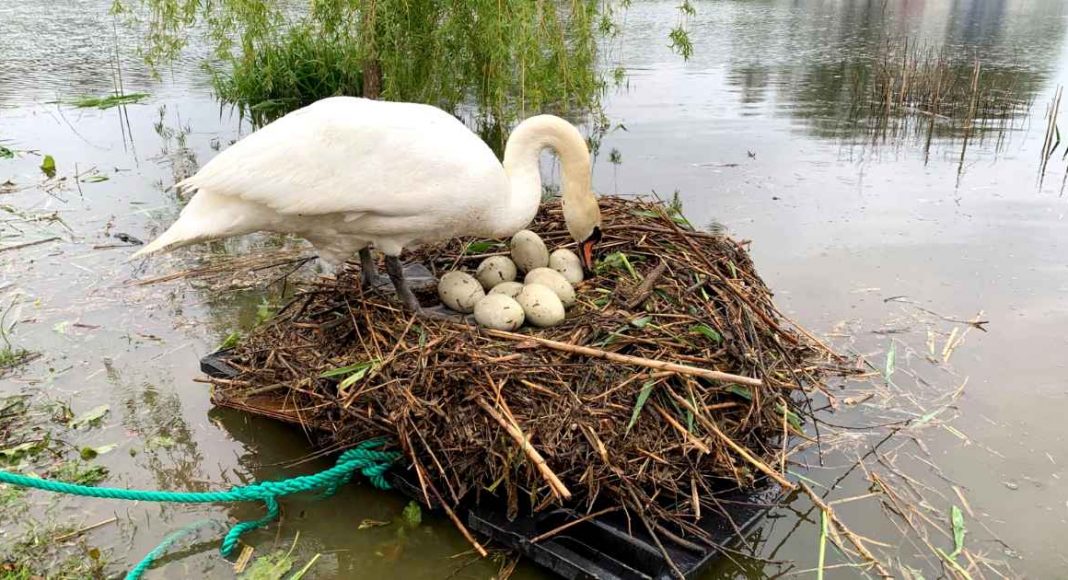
(582,216)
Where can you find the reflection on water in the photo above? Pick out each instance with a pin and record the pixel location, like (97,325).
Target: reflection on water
(777,128)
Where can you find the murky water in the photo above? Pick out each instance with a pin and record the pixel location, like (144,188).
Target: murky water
(754,132)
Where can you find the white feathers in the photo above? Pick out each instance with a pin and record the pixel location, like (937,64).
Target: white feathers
(345,173)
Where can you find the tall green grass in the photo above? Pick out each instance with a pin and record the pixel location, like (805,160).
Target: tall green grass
(296,69)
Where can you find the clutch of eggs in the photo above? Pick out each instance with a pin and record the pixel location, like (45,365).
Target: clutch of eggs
(498,301)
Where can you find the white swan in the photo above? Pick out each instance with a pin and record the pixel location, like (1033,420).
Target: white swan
(348,174)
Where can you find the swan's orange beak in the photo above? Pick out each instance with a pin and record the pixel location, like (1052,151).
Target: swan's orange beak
(586,250)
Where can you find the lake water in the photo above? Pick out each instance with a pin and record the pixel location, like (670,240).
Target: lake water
(861,234)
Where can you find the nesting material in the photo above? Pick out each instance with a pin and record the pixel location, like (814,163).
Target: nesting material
(673,377)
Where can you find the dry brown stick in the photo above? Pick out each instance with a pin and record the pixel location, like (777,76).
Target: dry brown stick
(28,244)
(686,434)
(711,426)
(557,486)
(456,521)
(638,507)
(559,529)
(853,539)
(646,286)
(628,359)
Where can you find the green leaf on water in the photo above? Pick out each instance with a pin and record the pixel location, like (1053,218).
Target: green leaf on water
(371,524)
(643,396)
(231,340)
(957,518)
(90,418)
(88,453)
(161,442)
(48,166)
(708,332)
(6,153)
(96,178)
(412,514)
(891,355)
(273,566)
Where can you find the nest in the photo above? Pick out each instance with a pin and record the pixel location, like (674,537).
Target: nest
(673,378)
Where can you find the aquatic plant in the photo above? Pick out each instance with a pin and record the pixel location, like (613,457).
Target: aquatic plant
(503,57)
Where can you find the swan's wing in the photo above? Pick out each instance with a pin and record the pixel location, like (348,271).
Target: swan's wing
(347,155)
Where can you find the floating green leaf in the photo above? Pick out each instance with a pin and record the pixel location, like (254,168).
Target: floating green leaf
(957,519)
(48,166)
(109,101)
(96,178)
(90,418)
(161,442)
(412,514)
(231,340)
(365,524)
(6,153)
(88,453)
(708,332)
(273,566)
(643,396)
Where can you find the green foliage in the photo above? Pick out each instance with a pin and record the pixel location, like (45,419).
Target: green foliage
(412,515)
(6,153)
(230,341)
(708,332)
(88,102)
(79,472)
(290,72)
(90,418)
(639,404)
(48,166)
(508,57)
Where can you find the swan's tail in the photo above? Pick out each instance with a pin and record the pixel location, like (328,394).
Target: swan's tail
(206,217)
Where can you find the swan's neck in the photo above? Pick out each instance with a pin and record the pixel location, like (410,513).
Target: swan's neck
(521,163)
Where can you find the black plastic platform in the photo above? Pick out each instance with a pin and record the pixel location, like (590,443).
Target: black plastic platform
(601,548)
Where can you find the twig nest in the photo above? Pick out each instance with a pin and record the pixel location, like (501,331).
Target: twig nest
(553,280)
(528,251)
(567,263)
(509,289)
(460,291)
(494,270)
(541,305)
(499,312)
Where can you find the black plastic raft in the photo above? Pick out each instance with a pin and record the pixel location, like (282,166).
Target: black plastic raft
(605,547)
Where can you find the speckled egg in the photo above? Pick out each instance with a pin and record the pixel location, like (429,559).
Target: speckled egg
(555,281)
(509,289)
(541,305)
(528,251)
(567,263)
(460,291)
(494,270)
(499,312)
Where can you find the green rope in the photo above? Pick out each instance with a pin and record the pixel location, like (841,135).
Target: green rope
(365,458)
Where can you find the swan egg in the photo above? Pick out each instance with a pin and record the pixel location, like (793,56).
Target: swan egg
(494,270)
(509,289)
(528,251)
(541,305)
(553,280)
(460,291)
(499,312)
(567,263)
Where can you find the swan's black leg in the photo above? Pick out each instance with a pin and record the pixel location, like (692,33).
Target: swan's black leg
(404,292)
(369,277)
(396,275)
